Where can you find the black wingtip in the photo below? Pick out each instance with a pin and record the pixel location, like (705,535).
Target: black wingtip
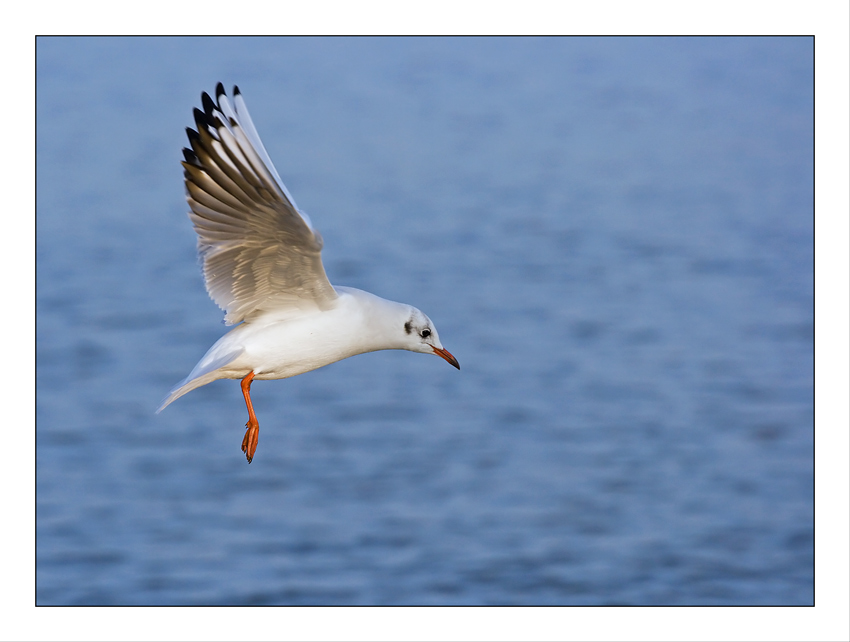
(208,104)
(192,135)
(202,120)
(236,91)
(219,90)
(190,156)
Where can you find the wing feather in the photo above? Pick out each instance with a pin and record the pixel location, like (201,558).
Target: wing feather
(260,254)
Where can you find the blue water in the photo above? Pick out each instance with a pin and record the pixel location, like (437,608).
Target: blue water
(613,236)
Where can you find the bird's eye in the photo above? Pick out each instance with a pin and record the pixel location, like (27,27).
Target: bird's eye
(425,333)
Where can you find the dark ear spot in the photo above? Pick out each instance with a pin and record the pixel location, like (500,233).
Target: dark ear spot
(408,327)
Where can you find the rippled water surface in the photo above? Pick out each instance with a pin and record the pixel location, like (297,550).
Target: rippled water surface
(614,237)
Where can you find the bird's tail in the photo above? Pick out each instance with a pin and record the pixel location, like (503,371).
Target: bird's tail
(201,375)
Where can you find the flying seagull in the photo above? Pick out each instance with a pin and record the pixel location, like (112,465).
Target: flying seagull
(262,265)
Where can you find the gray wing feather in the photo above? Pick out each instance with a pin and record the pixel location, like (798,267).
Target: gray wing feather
(259,252)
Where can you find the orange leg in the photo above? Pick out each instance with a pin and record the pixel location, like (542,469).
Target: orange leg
(252,434)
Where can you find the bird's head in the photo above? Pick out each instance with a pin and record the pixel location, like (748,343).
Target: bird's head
(420,335)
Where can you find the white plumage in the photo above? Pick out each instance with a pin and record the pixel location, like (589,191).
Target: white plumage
(262,265)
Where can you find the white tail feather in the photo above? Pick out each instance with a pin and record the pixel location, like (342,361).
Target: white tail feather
(201,375)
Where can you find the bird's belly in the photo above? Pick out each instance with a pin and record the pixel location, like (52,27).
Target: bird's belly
(292,348)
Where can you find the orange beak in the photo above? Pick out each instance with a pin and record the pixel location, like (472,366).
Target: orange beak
(445,354)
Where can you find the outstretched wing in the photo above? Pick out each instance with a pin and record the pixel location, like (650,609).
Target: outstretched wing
(260,253)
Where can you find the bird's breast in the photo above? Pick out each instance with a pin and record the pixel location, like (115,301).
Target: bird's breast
(288,348)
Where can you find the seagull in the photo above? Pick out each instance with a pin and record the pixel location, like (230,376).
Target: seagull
(262,265)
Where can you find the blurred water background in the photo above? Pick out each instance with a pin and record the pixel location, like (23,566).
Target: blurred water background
(613,236)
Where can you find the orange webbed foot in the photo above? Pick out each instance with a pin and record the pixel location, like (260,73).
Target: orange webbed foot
(249,443)
(252,434)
